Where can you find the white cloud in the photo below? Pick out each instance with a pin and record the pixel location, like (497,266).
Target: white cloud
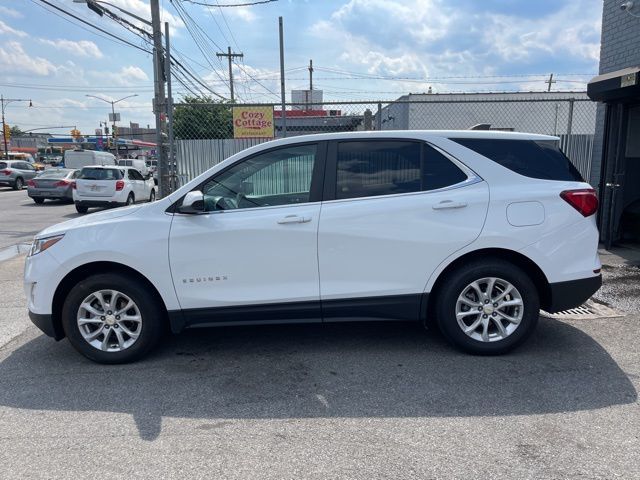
(246,14)
(13,59)
(143,10)
(7,30)
(81,48)
(10,12)
(126,76)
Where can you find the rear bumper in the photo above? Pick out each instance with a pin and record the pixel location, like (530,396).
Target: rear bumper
(99,203)
(45,323)
(573,293)
(9,182)
(51,195)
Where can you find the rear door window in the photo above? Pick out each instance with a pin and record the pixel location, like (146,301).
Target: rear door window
(531,158)
(374,168)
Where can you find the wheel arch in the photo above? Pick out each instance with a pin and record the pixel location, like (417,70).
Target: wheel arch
(536,274)
(83,271)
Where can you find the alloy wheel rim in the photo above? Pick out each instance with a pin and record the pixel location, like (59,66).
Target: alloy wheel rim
(109,320)
(489,309)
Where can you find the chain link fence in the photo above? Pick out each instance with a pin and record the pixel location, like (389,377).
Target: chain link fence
(204,132)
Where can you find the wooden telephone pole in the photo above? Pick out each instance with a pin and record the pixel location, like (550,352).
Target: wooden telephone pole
(230,56)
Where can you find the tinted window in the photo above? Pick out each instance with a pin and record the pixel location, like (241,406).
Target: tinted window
(3,164)
(535,159)
(439,171)
(367,169)
(277,177)
(100,174)
(54,173)
(135,175)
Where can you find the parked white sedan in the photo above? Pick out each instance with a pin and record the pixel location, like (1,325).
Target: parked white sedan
(111,186)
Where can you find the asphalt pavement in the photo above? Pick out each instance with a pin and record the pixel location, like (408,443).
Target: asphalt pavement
(21,218)
(362,401)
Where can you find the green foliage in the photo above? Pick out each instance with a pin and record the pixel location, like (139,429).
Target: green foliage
(202,118)
(15,131)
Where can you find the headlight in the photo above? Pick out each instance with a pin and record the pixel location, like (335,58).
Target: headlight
(41,244)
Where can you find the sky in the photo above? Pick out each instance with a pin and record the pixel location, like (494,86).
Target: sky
(361,50)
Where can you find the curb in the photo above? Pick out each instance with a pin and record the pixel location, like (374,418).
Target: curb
(14,250)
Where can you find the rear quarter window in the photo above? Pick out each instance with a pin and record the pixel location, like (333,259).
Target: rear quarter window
(531,158)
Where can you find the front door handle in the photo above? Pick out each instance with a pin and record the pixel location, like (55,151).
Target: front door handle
(294,219)
(446,204)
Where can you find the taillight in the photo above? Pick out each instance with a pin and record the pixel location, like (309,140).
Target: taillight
(119,185)
(5,172)
(62,183)
(31,183)
(585,200)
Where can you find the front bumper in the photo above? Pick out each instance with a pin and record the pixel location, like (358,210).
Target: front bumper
(573,293)
(45,323)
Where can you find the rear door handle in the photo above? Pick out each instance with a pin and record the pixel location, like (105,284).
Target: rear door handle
(446,204)
(293,219)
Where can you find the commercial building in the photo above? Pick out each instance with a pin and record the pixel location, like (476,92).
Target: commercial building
(616,156)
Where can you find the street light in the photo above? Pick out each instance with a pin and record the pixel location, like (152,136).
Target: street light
(5,102)
(93,5)
(113,116)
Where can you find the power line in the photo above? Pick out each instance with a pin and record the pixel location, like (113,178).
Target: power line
(93,26)
(260,2)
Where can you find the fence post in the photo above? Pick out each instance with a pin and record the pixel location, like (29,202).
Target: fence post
(368,120)
(379,117)
(570,120)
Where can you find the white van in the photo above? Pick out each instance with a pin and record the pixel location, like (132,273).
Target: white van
(138,164)
(83,158)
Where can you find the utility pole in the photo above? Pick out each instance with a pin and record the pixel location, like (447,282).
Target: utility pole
(310,74)
(230,56)
(159,106)
(167,69)
(282,90)
(550,81)
(4,102)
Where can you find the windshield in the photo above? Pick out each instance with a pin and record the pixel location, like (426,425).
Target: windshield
(55,173)
(89,173)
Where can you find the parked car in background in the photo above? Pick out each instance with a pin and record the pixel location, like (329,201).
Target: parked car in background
(475,230)
(139,165)
(15,173)
(109,186)
(25,157)
(77,159)
(52,184)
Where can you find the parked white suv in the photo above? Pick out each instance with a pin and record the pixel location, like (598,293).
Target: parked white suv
(111,186)
(478,230)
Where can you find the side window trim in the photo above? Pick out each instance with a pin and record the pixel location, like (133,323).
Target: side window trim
(331,169)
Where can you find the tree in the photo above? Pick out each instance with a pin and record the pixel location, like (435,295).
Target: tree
(16,131)
(202,118)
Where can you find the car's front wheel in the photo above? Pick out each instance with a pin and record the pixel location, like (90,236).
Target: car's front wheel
(152,197)
(488,307)
(110,318)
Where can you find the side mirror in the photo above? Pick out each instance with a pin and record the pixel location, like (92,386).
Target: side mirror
(192,203)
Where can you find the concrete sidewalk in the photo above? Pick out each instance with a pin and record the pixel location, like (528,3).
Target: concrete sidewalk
(13,304)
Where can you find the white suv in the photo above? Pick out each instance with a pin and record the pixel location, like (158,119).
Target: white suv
(477,230)
(111,186)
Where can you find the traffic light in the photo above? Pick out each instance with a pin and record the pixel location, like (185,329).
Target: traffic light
(7,131)
(75,133)
(114,132)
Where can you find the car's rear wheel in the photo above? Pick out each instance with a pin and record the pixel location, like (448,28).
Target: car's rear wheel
(110,318)
(487,307)
(18,184)
(81,209)
(130,199)
(39,201)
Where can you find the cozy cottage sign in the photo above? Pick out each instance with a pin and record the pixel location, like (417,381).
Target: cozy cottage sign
(253,122)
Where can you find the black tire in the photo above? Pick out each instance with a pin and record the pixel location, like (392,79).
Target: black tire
(456,282)
(152,197)
(18,184)
(131,199)
(153,318)
(81,209)
(39,201)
